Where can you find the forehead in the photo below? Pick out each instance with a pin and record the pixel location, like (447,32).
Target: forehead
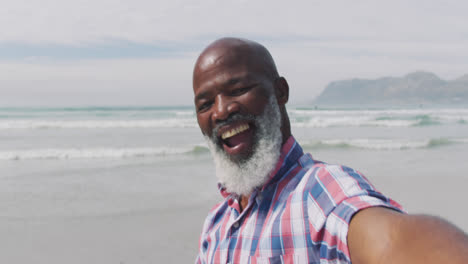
(225,67)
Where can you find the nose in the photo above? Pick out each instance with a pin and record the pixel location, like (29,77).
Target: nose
(223,108)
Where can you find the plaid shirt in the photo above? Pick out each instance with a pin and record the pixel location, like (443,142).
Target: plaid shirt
(301,215)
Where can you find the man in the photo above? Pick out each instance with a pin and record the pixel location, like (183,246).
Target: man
(280,205)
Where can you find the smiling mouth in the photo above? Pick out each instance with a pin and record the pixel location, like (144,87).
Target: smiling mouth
(233,132)
(238,139)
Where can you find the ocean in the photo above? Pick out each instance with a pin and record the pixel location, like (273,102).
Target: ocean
(133,184)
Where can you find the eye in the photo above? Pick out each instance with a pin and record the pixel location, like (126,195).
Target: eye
(241,90)
(204,106)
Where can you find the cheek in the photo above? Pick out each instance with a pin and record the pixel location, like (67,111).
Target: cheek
(257,104)
(204,124)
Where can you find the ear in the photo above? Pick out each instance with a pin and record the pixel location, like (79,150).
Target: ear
(281,90)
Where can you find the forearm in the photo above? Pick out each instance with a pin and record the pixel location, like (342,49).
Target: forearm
(379,235)
(429,239)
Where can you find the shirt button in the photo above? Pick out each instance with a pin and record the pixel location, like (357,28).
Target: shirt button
(236,224)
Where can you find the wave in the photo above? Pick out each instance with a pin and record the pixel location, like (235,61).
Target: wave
(382,144)
(99,153)
(101,113)
(47,124)
(318,121)
(167,117)
(391,112)
(95,109)
(201,149)
(426,120)
(315,122)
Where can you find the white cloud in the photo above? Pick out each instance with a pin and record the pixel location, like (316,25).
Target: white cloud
(80,21)
(110,69)
(313,42)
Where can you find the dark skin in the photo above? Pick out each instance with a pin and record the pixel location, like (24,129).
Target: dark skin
(234,76)
(238,76)
(379,235)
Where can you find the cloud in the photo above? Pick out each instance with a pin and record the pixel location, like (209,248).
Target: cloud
(110,50)
(143,21)
(154,44)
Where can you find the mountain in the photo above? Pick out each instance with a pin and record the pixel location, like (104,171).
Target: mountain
(463,78)
(412,89)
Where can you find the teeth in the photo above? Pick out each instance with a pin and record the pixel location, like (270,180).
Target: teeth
(234,131)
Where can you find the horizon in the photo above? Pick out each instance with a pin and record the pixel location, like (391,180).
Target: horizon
(309,102)
(295,106)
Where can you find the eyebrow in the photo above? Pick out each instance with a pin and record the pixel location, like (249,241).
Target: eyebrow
(232,81)
(201,95)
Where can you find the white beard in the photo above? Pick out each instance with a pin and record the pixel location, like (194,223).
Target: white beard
(244,176)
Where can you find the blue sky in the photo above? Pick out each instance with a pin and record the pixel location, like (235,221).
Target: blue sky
(105,52)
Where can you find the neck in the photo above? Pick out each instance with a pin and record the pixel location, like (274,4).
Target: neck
(243,202)
(285,127)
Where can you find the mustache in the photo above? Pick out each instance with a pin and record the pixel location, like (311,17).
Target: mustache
(231,119)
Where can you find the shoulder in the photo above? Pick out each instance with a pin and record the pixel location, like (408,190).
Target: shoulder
(337,182)
(338,191)
(333,194)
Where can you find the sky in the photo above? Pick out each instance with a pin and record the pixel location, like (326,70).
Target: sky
(142,52)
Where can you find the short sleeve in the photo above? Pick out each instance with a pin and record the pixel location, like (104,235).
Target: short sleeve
(338,192)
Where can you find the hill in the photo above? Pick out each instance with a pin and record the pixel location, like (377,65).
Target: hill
(412,89)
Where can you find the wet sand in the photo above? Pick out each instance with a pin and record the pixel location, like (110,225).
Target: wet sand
(152,212)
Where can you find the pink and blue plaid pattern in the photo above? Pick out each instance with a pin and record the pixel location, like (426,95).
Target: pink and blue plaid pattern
(301,215)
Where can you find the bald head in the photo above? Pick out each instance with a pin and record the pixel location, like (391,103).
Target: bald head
(236,51)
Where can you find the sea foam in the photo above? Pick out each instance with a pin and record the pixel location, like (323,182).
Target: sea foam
(58,124)
(382,144)
(201,149)
(186,118)
(99,153)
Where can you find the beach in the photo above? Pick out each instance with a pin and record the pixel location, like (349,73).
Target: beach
(133,184)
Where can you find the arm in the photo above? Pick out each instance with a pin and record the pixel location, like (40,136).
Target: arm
(380,235)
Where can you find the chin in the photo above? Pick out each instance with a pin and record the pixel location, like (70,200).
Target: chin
(242,170)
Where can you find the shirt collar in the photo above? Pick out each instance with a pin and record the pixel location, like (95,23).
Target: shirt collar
(290,153)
